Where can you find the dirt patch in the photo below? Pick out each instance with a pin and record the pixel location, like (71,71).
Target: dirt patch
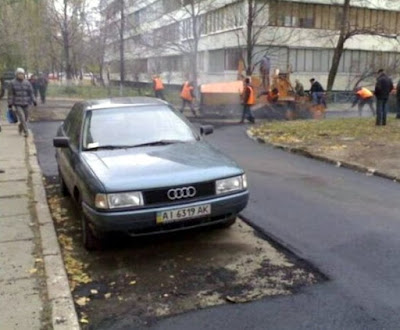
(352,140)
(143,280)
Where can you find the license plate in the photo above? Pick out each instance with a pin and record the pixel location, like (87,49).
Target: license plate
(183,214)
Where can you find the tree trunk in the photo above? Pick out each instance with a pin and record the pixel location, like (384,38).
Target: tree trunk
(196,37)
(68,67)
(122,46)
(249,37)
(337,55)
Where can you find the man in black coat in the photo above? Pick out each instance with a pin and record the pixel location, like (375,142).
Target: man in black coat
(383,87)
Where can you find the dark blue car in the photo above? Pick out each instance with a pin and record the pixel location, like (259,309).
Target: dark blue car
(138,166)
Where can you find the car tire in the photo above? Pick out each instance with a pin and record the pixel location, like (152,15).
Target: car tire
(63,187)
(89,239)
(228,224)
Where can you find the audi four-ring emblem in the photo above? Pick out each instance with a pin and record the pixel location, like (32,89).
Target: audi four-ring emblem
(181,193)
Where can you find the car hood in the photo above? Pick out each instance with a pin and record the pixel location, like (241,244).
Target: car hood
(159,166)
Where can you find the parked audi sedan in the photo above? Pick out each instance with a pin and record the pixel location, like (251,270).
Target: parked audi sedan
(138,166)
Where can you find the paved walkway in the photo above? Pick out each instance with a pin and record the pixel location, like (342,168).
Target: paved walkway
(34,291)
(22,295)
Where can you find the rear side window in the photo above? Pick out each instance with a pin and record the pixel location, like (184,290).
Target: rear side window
(73,124)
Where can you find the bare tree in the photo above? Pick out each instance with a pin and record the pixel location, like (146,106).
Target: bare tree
(257,35)
(67,20)
(348,28)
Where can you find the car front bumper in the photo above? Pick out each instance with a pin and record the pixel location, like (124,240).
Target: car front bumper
(143,221)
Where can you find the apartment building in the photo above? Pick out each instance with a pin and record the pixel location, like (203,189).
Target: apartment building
(299,36)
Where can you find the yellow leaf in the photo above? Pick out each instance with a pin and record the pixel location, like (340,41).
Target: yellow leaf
(85,321)
(33,271)
(132,282)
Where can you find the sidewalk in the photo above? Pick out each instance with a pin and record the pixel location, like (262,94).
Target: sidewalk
(34,291)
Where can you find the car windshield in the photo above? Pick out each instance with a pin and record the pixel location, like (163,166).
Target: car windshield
(128,127)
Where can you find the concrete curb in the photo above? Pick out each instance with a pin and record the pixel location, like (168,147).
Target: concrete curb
(63,314)
(337,163)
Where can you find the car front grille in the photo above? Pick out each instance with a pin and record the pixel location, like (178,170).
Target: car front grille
(160,196)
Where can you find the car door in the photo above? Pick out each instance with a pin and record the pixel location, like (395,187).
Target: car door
(69,157)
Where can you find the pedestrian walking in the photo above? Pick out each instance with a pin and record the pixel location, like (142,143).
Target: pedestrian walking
(363,96)
(20,96)
(35,87)
(248,100)
(42,83)
(158,87)
(299,88)
(398,100)
(317,92)
(383,87)
(265,68)
(187,96)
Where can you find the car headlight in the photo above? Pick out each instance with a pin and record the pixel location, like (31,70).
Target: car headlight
(120,200)
(231,184)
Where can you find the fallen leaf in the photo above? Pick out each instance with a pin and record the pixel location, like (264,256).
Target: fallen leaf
(84,321)
(33,271)
(107,295)
(132,282)
(82,301)
(93,291)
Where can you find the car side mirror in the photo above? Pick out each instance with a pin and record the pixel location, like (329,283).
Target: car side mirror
(61,142)
(206,129)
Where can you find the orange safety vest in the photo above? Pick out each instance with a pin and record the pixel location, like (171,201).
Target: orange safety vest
(364,93)
(251,100)
(158,85)
(186,93)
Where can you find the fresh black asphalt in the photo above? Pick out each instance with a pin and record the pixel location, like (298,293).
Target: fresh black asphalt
(345,223)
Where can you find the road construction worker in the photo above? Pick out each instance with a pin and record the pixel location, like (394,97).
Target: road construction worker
(299,88)
(383,88)
(317,92)
(265,67)
(158,87)
(273,96)
(363,96)
(248,100)
(187,96)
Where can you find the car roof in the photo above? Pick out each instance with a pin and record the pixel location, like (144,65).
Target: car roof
(118,102)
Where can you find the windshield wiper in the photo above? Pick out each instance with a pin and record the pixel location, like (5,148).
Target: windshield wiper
(158,143)
(107,147)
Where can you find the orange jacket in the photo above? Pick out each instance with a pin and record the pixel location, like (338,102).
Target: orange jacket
(158,85)
(364,93)
(249,97)
(186,93)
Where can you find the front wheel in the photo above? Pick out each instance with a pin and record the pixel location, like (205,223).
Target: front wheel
(89,239)
(228,224)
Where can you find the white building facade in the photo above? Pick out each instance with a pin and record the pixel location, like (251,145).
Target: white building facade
(299,36)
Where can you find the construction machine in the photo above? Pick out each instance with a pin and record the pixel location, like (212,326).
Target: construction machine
(223,99)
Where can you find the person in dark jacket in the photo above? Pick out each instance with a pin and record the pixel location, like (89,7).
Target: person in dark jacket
(317,92)
(383,87)
(20,96)
(398,100)
(35,87)
(42,83)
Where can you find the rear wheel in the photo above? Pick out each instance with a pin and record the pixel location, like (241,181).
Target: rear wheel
(89,239)
(63,187)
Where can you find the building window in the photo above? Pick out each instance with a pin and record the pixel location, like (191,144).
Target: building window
(232,58)
(216,61)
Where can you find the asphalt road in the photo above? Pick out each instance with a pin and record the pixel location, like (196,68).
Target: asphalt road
(346,223)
